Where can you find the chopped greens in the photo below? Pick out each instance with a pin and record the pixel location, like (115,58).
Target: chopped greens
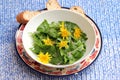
(62,41)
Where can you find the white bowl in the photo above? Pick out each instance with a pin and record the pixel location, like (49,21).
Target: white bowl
(59,15)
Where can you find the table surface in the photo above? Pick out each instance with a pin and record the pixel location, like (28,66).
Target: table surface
(106,13)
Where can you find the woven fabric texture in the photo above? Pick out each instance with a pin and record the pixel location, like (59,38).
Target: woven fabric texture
(106,14)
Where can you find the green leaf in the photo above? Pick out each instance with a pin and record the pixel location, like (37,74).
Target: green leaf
(72,60)
(62,52)
(70,26)
(65,59)
(36,40)
(43,27)
(54,25)
(53,33)
(56,60)
(84,37)
(35,49)
(78,54)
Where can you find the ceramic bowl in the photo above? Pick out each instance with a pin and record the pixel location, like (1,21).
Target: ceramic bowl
(54,16)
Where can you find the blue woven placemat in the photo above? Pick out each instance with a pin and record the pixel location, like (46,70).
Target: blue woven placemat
(106,13)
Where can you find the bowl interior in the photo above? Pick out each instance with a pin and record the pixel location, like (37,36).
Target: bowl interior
(58,15)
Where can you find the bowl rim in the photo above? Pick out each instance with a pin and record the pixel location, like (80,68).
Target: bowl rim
(66,65)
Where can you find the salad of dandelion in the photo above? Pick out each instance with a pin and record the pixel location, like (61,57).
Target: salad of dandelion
(58,43)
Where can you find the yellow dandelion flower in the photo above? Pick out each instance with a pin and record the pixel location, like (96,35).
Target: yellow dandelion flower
(64,32)
(63,44)
(44,58)
(62,25)
(77,33)
(48,42)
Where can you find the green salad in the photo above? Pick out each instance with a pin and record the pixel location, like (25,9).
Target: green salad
(58,43)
